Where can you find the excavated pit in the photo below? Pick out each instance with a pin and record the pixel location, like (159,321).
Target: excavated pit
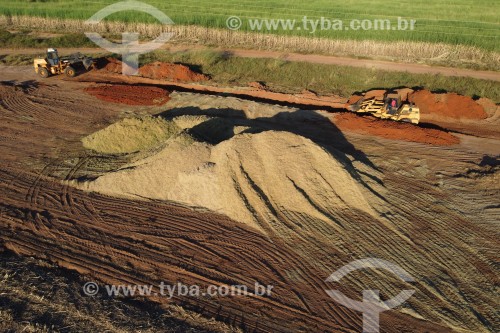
(130,94)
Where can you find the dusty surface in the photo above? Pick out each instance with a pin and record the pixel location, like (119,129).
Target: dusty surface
(130,95)
(39,296)
(393,130)
(322,196)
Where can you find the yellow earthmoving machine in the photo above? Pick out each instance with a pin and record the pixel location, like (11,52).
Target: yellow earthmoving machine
(390,107)
(52,64)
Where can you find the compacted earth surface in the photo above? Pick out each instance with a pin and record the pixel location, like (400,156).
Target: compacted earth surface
(140,182)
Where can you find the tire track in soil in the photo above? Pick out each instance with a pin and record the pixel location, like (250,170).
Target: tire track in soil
(131,261)
(118,240)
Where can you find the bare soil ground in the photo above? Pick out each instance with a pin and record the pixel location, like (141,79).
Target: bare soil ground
(396,131)
(313,196)
(39,296)
(135,95)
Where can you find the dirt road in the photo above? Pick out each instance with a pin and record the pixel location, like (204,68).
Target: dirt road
(311,58)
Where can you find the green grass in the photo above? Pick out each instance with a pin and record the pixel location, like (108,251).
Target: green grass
(465,22)
(23,39)
(293,77)
(16,60)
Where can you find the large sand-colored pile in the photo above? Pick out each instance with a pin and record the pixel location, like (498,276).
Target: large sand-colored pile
(249,177)
(131,135)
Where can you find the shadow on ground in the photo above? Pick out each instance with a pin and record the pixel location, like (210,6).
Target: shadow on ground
(224,123)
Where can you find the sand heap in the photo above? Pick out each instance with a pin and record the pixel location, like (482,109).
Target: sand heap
(131,135)
(252,178)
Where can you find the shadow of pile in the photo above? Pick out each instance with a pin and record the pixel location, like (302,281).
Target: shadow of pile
(224,123)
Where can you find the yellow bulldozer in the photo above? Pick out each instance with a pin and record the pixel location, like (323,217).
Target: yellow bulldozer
(52,64)
(390,107)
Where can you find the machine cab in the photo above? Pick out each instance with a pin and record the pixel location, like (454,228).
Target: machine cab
(52,57)
(392,103)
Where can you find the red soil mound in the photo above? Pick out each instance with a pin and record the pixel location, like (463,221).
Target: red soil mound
(393,130)
(375,93)
(172,72)
(489,106)
(130,95)
(449,105)
(353,99)
(113,65)
(158,71)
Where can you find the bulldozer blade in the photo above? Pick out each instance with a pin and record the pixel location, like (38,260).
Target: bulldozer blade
(87,63)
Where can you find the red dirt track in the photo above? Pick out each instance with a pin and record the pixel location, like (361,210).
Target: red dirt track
(393,130)
(94,234)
